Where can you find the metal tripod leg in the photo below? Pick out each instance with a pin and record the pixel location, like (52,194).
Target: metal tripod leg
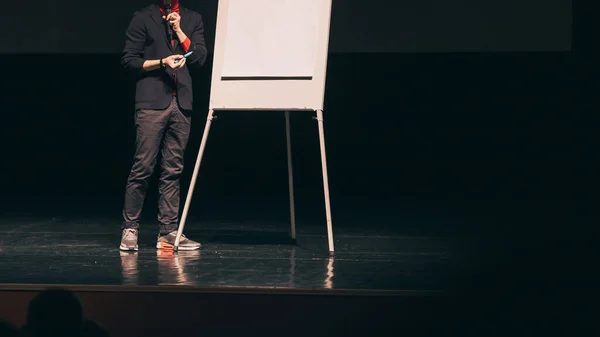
(325,179)
(188,199)
(290,174)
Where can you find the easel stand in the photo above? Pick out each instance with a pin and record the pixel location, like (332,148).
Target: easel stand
(319,119)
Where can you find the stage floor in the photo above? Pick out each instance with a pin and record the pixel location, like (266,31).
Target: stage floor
(83,250)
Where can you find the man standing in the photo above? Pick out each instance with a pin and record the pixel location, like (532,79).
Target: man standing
(154,44)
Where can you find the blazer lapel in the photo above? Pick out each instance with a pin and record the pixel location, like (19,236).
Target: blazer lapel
(157,18)
(185,21)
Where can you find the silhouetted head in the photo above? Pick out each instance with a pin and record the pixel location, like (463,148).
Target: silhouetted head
(8,330)
(93,329)
(54,313)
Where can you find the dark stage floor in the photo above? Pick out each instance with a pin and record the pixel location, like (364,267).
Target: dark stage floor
(83,250)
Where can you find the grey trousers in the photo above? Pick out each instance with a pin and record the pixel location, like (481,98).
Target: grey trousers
(157,130)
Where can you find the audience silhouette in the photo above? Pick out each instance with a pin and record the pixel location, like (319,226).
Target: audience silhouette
(8,330)
(59,312)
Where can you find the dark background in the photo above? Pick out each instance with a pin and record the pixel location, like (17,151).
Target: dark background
(471,143)
(373,26)
(492,136)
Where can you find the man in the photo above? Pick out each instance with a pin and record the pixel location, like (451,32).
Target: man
(154,45)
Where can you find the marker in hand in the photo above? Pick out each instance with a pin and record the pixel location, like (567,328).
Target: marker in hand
(184,57)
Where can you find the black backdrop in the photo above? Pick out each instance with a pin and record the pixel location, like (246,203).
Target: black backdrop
(466,142)
(71,26)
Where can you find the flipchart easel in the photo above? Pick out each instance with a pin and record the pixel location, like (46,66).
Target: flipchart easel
(278,90)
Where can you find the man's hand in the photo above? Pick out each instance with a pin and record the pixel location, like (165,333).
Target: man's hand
(170,62)
(174,20)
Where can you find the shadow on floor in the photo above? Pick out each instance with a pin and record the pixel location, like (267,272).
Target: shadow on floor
(249,237)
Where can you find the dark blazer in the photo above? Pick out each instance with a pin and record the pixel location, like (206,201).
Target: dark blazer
(146,39)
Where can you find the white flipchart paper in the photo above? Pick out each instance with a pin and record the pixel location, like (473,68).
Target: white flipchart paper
(271,38)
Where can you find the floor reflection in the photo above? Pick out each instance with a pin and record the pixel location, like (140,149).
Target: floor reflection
(329,274)
(292,283)
(172,266)
(129,267)
(167,267)
(240,254)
